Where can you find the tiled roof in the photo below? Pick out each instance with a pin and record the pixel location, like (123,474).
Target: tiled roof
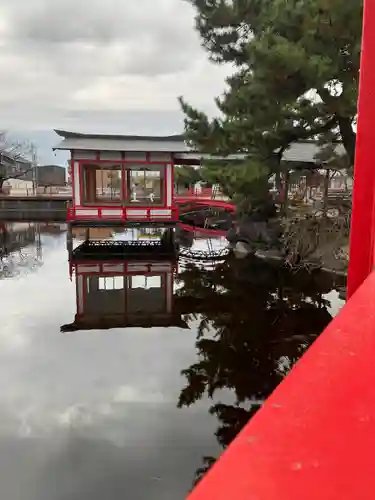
(299,152)
(77,135)
(305,152)
(102,142)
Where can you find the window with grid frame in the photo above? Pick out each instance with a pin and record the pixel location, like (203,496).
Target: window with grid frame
(102,184)
(145,185)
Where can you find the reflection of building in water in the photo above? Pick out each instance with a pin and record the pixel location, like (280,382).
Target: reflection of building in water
(150,232)
(15,238)
(124,283)
(52,228)
(124,293)
(98,233)
(92,233)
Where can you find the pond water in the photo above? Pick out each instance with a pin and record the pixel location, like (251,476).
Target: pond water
(139,412)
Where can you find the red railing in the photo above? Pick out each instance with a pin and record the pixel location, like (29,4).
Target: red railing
(362,237)
(314,438)
(200,202)
(204,193)
(124,216)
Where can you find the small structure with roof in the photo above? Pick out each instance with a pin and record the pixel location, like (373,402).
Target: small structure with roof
(128,179)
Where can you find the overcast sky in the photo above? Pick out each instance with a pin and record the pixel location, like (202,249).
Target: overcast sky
(115,66)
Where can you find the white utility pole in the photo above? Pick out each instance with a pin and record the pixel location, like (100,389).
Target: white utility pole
(34,160)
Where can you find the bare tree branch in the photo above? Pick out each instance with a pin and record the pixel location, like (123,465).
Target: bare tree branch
(16,158)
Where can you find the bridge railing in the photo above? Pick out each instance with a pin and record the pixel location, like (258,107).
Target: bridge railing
(314,436)
(199,192)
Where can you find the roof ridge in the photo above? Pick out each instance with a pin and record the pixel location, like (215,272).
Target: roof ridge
(66,134)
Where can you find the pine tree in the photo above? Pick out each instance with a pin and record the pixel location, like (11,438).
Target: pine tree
(296,77)
(186,176)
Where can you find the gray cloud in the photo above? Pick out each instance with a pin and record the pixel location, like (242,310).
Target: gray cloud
(136,34)
(96,65)
(97,21)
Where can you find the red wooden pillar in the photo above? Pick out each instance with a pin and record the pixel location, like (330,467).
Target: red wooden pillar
(89,194)
(172,180)
(163,185)
(124,185)
(362,237)
(128,186)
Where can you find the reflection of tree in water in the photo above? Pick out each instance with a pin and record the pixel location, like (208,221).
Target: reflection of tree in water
(185,238)
(255,321)
(14,259)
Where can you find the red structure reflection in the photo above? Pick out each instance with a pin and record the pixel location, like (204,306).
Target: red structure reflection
(115,292)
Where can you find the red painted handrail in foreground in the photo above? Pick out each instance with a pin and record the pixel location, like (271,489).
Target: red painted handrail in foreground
(314,438)
(362,236)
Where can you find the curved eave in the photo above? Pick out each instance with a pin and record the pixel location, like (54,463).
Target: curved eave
(78,135)
(131,143)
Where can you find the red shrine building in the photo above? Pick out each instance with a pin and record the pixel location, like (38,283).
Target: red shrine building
(125,179)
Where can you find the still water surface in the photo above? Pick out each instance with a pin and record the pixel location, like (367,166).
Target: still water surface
(139,412)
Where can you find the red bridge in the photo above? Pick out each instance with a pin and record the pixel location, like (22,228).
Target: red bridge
(203,202)
(207,193)
(203,231)
(314,438)
(203,197)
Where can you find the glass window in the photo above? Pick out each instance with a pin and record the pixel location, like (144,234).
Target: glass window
(108,184)
(127,185)
(102,184)
(146,186)
(111,283)
(145,282)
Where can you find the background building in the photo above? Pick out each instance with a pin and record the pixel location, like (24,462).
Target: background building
(50,175)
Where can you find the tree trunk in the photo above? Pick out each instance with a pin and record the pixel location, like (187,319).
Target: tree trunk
(325,192)
(348,137)
(278,182)
(286,193)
